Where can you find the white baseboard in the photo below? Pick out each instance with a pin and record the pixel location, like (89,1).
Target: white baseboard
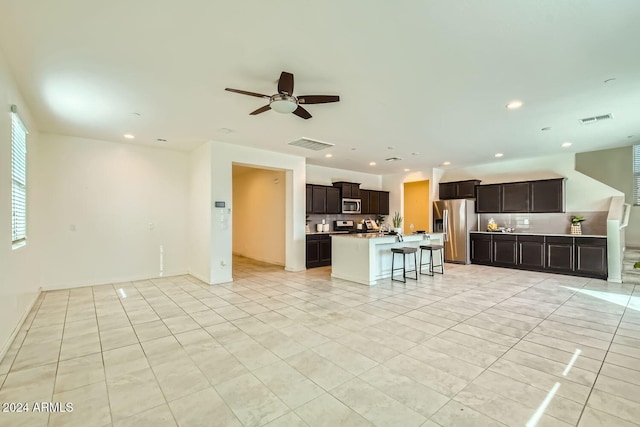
(108,280)
(14,334)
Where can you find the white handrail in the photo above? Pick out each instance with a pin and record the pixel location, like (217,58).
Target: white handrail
(625,220)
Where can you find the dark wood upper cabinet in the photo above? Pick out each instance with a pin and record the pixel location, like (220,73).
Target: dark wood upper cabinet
(515,197)
(488,198)
(383,203)
(374,202)
(319,203)
(547,195)
(364,199)
(458,189)
(349,190)
(334,203)
(521,197)
(309,198)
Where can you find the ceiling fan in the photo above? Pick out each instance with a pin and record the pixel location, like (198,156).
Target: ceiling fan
(284,101)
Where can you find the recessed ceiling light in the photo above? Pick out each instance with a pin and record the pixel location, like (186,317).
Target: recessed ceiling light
(566,144)
(328,155)
(499,155)
(372,163)
(446,163)
(128,136)
(513,105)
(407,170)
(546,128)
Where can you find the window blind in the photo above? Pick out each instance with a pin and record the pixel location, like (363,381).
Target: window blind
(18,180)
(636,175)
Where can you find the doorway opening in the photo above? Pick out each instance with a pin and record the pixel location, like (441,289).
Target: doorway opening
(417,207)
(258,218)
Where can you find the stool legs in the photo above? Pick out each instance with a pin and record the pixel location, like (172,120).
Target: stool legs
(441,265)
(430,263)
(404,267)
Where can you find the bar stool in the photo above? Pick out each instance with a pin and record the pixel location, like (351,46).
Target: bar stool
(404,251)
(431,249)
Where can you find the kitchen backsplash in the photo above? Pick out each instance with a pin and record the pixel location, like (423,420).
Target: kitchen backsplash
(554,223)
(317,219)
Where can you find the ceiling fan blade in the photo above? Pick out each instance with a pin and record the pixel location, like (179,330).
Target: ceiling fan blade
(244,92)
(301,112)
(261,110)
(318,99)
(285,84)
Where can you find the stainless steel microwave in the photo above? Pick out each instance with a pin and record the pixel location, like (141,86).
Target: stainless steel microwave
(351,206)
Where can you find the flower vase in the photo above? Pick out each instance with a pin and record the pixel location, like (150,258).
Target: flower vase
(576,229)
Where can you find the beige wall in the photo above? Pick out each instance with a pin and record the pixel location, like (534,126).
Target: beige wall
(614,167)
(259,214)
(417,206)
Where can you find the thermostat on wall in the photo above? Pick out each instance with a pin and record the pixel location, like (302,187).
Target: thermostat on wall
(219,204)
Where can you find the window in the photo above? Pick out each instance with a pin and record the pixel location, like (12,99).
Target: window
(18,180)
(636,175)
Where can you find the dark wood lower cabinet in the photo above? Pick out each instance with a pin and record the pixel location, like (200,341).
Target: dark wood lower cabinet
(481,249)
(318,250)
(576,256)
(505,251)
(531,252)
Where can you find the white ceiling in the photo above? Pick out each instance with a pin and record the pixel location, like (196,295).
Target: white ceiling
(421,76)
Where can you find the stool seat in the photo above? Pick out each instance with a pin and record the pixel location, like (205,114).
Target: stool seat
(404,250)
(432,247)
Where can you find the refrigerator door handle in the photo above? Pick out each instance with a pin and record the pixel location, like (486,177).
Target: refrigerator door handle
(445,224)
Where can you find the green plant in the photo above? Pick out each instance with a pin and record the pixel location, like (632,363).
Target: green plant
(636,265)
(380,219)
(397,220)
(577,219)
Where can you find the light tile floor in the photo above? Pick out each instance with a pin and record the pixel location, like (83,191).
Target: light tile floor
(478,346)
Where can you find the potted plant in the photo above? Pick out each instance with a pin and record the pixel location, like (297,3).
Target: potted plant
(576,227)
(397,222)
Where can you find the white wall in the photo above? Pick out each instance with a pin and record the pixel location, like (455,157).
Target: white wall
(223,156)
(111,211)
(19,268)
(321,175)
(200,212)
(259,200)
(582,192)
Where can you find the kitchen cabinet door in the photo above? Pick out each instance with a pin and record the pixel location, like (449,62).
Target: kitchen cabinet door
(313,253)
(334,203)
(560,254)
(505,250)
(319,199)
(488,198)
(466,189)
(481,248)
(309,198)
(318,250)
(383,203)
(591,256)
(547,196)
(531,252)
(447,190)
(355,191)
(325,251)
(515,197)
(364,199)
(374,202)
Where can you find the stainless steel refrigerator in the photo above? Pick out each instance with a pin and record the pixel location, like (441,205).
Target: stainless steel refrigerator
(455,218)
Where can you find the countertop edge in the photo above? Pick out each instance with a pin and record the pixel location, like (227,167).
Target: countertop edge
(540,234)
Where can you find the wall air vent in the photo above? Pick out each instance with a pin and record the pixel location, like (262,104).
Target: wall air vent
(311,144)
(392,159)
(589,120)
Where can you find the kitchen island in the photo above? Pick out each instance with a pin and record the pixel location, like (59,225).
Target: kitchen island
(366,258)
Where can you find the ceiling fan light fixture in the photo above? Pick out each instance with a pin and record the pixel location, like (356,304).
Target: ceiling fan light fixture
(283,103)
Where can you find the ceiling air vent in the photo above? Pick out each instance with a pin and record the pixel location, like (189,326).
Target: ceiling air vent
(392,159)
(311,144)
(588,120)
